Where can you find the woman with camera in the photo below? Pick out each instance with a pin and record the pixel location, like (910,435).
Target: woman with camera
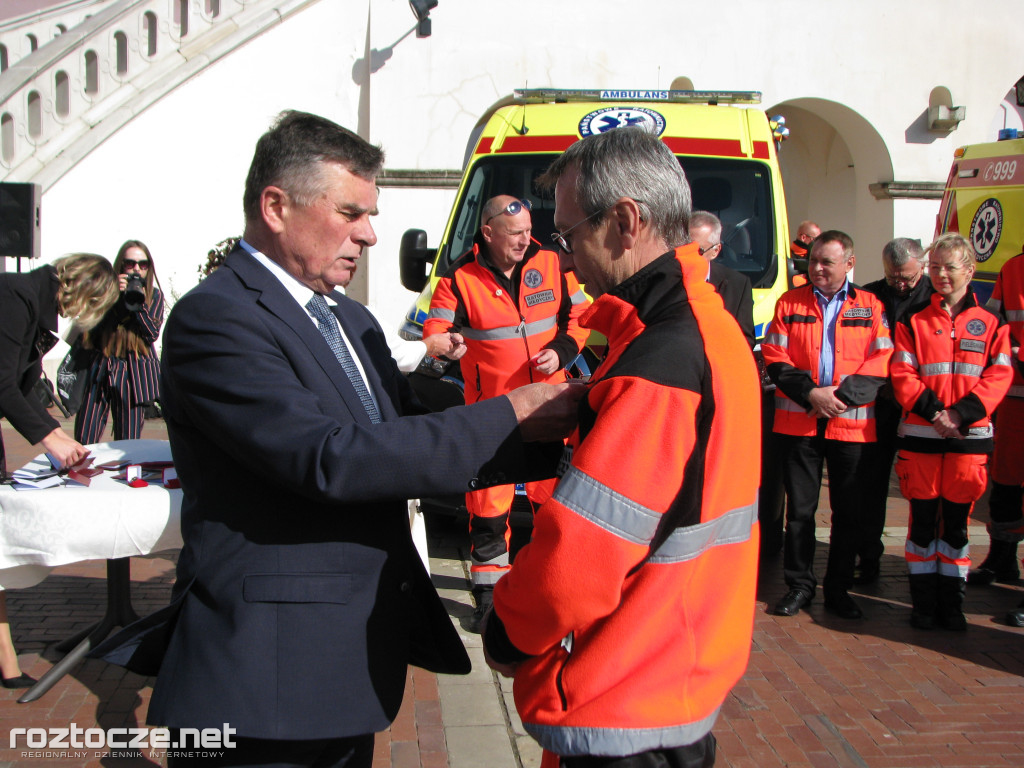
(124,378)
(81,286)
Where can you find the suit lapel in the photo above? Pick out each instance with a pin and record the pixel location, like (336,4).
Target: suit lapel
(276,300)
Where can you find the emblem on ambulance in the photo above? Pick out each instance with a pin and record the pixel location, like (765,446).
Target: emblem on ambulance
(532,278)
(603,120)
(976,327)
(986,228)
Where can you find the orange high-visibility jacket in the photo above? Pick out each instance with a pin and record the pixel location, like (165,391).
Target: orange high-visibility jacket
(631,609)
(962,363)
(792,348)
(506,321)
(1008,302)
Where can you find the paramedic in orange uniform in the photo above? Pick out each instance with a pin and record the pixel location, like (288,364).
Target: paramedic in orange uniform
(518,314)
(951,368)
(1006,528)
(628,617)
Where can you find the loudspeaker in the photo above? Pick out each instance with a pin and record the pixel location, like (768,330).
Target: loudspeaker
(19,219)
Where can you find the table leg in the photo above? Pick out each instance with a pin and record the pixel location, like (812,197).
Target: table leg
(119,613)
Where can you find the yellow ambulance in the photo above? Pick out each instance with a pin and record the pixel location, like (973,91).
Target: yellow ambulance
(724,143)
(984,201)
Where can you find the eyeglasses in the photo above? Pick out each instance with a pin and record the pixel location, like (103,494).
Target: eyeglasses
(904,280)
(129,263)
(512,209)
(559,238)
(702,251)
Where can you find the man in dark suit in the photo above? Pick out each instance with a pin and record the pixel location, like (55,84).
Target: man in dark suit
(300,598)
(732,286)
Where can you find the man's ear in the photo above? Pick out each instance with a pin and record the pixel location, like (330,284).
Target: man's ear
(626,216)
(487,231)
(850,264)
(274,205)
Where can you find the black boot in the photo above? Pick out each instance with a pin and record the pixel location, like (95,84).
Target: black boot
(483,594)
(1015,618)
(999,565)
(951,603)
(924,596)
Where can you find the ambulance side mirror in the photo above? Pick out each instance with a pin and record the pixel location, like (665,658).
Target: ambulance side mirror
(414,259)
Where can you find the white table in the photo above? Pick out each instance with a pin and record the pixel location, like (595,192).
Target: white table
(42,529)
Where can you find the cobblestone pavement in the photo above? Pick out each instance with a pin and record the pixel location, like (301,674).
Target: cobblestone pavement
(819,691)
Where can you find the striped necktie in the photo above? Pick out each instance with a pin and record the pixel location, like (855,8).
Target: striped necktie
(328,325)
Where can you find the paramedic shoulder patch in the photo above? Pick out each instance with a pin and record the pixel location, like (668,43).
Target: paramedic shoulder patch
(532,278)
(858,312)
(534,299)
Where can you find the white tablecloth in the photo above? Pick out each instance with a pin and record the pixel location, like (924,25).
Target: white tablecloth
(41,529)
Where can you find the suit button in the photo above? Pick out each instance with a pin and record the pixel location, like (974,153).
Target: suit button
(405,587)
(474,484)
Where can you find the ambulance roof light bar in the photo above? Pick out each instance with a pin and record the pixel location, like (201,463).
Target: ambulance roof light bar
(559,95)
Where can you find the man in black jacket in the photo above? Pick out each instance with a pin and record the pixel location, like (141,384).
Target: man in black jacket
(904,287)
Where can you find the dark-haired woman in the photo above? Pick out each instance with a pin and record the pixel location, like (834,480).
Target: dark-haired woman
(125,376)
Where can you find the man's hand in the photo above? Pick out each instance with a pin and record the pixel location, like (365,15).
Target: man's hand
(449,345)
(824,403)
(947,424)
(64,448)
(546,412)
(545,361)
(505,670)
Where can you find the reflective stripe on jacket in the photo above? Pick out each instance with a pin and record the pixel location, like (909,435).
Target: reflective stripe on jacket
(506,321)
(1007,301)
(960,363)
(631,609)
(791,351)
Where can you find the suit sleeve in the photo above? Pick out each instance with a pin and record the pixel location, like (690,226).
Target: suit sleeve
(26,416)
(745,310)
(247,390)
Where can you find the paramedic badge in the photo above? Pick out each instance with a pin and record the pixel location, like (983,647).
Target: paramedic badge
(603,120)
(532,278)
(986,228)
(976,327)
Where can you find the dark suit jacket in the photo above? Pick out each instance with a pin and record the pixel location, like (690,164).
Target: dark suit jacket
(737,295)
(300,598)
(28,309)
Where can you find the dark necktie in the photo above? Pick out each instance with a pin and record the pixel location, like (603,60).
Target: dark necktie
(328,324)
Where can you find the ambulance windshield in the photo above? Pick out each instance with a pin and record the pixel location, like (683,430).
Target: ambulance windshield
(737,191)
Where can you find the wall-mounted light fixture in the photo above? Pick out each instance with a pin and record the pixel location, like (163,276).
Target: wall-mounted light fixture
(421,10)
(944,119)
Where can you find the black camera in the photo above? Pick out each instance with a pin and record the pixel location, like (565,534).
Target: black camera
(135,293)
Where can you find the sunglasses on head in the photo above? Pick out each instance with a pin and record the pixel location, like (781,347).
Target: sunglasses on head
(129,263)
(512,209)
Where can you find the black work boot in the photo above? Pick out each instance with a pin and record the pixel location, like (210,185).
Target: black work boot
(951,603)
(999,565)
(484,597)
(1015,618)
(924,596)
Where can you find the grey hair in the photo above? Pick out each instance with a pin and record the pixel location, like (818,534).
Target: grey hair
(632,163)
(901,250)
(709,220)
(292,155)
